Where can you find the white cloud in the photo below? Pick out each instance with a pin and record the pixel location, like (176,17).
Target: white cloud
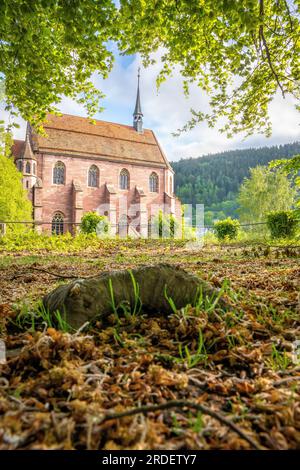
(168,109)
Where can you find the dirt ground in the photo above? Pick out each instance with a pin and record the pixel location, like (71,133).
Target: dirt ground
(216,379)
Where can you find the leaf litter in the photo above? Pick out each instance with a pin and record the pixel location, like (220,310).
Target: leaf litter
(65,390)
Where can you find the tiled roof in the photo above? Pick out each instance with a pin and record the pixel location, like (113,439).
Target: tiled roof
(22,149)
(17,148)
(73,135)
(27,150)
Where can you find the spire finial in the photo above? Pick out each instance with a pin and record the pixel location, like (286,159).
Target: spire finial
(138,115)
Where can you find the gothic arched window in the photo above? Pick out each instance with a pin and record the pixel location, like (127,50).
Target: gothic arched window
(153,183)
(58,224)
(124,179)
(20,165)
(93,177)
(27,168)
(59,173)
(33,168)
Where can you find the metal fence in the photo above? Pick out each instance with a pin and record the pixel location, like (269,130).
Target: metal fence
(71,226)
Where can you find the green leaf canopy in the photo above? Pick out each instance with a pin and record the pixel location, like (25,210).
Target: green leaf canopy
(239,52)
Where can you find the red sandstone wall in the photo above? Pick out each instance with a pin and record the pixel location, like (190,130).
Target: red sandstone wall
(60,197)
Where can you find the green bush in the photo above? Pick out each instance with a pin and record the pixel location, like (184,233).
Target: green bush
(165,225)
(226,229)
(282,224)
(92,222)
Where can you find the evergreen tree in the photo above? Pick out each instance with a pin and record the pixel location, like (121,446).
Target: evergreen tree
(214,180)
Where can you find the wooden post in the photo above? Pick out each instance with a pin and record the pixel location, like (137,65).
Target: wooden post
(2,229)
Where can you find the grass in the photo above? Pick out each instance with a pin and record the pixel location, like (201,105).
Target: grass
(248,236)
(269,314)
(37,316)
(196,423)
(170,301)
(191,359)
(201,303)
(124,307)
(279,360)
(209,303)
(34,242)
(232,341)
(112,297)
(137,305)
(118,338)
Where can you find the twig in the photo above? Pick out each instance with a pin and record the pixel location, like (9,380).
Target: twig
(54,274)
(289,15)
(286,381)
(79,331)
(197,382)
(262,37)
(290,371)
(61,276)
(183,404)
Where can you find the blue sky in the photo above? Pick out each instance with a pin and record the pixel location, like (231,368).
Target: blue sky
(168,109)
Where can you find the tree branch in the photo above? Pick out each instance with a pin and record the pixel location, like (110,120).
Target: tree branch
(183,404)
(60,276)
(289,15)
(263,39)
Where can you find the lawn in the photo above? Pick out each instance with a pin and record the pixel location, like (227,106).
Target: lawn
(211,378)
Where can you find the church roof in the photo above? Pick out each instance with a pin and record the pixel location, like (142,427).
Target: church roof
(22,149)
(27,150)
(17,148)
(77,136)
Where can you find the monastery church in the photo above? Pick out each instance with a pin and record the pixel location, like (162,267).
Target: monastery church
(117,170)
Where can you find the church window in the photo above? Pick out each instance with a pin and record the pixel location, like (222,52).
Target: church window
(93,177)
(33,168)
(20,165)
(58,224)
(59,173)
(27,168)
(153,183)
(124,179)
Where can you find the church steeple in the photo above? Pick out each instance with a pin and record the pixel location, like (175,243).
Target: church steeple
(138,115)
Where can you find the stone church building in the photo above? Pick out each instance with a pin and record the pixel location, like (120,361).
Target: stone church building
(117,170)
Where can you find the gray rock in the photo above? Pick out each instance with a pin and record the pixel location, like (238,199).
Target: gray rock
(84,299)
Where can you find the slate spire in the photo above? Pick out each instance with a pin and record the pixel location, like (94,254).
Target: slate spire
(138,115)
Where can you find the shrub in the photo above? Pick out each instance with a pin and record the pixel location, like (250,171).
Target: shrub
(92,222)
(282,224)
(164,225)
(226,229)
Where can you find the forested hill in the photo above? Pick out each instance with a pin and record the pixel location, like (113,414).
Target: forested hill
(214,179)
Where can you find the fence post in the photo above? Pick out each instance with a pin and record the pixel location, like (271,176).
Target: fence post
(2,229)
